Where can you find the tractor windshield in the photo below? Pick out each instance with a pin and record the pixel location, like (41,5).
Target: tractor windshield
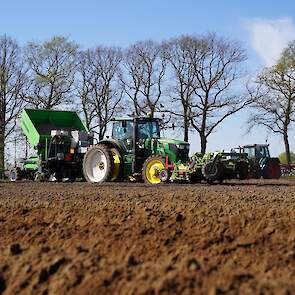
(122,130)
(250,151)
(148,129)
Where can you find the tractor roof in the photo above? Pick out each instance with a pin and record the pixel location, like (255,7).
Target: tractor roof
(122,119)
(256,145)
(127,118)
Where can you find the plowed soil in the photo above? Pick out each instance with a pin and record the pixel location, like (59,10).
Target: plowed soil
(136,239)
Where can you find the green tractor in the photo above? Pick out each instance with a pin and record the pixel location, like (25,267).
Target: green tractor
(261,163)
(136,151)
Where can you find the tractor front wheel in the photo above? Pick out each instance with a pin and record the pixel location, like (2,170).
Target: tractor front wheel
(212,171)
(151,171)
(242,170)
(98,164)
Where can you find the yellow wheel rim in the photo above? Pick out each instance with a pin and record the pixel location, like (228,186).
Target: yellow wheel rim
(153,170)
(117,164)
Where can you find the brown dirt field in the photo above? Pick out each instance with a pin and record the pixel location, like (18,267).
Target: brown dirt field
(136,239)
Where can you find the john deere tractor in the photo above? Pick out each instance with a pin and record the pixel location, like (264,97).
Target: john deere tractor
(136,151)
(261,163)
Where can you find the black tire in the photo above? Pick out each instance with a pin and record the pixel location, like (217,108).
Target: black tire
(212,171)
(242,170)
(15,174)
(272,170)
(145,175)
(196,177)
(98,164)
(72,175)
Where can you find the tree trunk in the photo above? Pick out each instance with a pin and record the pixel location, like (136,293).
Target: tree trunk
(203,129)
(186,127)
(287,147)
(2,138)
(203,143)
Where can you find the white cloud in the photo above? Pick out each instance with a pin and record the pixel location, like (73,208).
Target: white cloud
(270,37)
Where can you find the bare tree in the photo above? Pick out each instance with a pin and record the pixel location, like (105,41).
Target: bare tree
(99,87)
(182,83)
(12,83)
(52,72)
(205,72)
(274,100)
(217,64)
(144,70)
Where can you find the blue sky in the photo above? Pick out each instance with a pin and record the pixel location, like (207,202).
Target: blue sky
(264,27)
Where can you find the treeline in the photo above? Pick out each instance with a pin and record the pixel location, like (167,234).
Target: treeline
(196,82)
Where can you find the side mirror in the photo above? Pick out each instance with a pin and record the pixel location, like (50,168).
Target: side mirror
(173,126)
(125,130)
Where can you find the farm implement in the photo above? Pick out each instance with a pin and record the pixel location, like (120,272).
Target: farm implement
(134,152)
(60,140)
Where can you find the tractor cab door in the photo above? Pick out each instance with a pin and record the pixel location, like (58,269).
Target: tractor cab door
(262,152)
(145,134)
(123,132)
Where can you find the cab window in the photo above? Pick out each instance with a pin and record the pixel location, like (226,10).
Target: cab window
(148,129)
(262,152)
(250,151)
(122,130)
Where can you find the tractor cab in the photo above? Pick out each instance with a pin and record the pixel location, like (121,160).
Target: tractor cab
(138,138)
(135,132)
(256,151)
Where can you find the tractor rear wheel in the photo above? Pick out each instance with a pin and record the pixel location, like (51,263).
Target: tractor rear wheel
(212,171)
(271,170)
(151,169)
(98,164)
(242,170)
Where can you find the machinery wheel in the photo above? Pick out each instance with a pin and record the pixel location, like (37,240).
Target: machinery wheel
(256,172)
(39,177)
(98,164)
(195,177)
(15,174)
(242,170)
(271,170)
(152,168)
(212,171)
